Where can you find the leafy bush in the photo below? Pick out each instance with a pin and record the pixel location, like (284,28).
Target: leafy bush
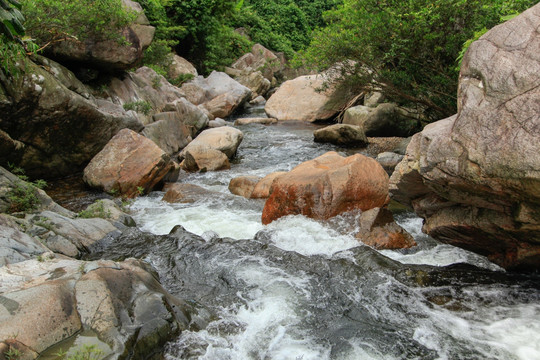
(96,210)
(23,196)
(141,106)
(11,19)
(406,48)
(52,20)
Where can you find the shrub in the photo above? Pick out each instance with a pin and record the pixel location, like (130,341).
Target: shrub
(48,21)
(96,210)
(141,106)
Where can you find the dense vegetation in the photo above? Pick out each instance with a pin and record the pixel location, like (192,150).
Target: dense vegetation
(203,30)
(407,49)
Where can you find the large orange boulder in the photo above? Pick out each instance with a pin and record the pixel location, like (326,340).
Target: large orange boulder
(128,164)
(328,186)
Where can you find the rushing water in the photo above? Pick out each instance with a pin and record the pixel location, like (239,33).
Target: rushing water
(303,289)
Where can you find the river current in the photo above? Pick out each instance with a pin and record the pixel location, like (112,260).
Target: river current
(304,289)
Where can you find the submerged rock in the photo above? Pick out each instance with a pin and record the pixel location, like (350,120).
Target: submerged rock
(258,120)
(475,177)
(327,186)
(243,185)
(128,165)
(263,187)
(379,230)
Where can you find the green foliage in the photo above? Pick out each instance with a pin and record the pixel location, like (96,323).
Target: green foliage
(11,19)
(86,352)
(180,79)
(96,210)
(406,48)
(44,223)
(23,196)
(141,106)
(53,20)
(12,353)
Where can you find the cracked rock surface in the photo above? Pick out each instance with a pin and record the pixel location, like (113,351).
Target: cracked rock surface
(475,177)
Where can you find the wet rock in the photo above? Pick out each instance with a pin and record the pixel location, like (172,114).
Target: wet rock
(258,120)
(187,193)
(299,99)
(122,302)
(47,106)
(108,54)
(383,121)
(389,161)
(201,157)
(225,139)
(218,122)
(243,185)
(379,230)
(474,177)
(341,134)
(263,187)
(128,164)
(327,186)
(258,101)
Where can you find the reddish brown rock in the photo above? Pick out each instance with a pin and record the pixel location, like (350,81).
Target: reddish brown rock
(262,189)
(243,185)
(379,230)
(328,186)
(128,163)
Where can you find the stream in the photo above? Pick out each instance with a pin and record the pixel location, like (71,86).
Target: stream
(304,289)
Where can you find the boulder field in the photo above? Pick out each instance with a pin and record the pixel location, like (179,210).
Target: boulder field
(475,177)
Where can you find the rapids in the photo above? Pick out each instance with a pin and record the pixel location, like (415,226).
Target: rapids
(302,289)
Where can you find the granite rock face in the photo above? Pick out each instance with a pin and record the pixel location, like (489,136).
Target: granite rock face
(46,302)
(475,177)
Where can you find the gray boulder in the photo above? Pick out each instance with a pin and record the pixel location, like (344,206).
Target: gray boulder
(384,120)
(341,134)
(225,139)
(474,177)
(121,302)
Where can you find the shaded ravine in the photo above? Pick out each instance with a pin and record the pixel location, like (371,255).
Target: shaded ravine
(302,289)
